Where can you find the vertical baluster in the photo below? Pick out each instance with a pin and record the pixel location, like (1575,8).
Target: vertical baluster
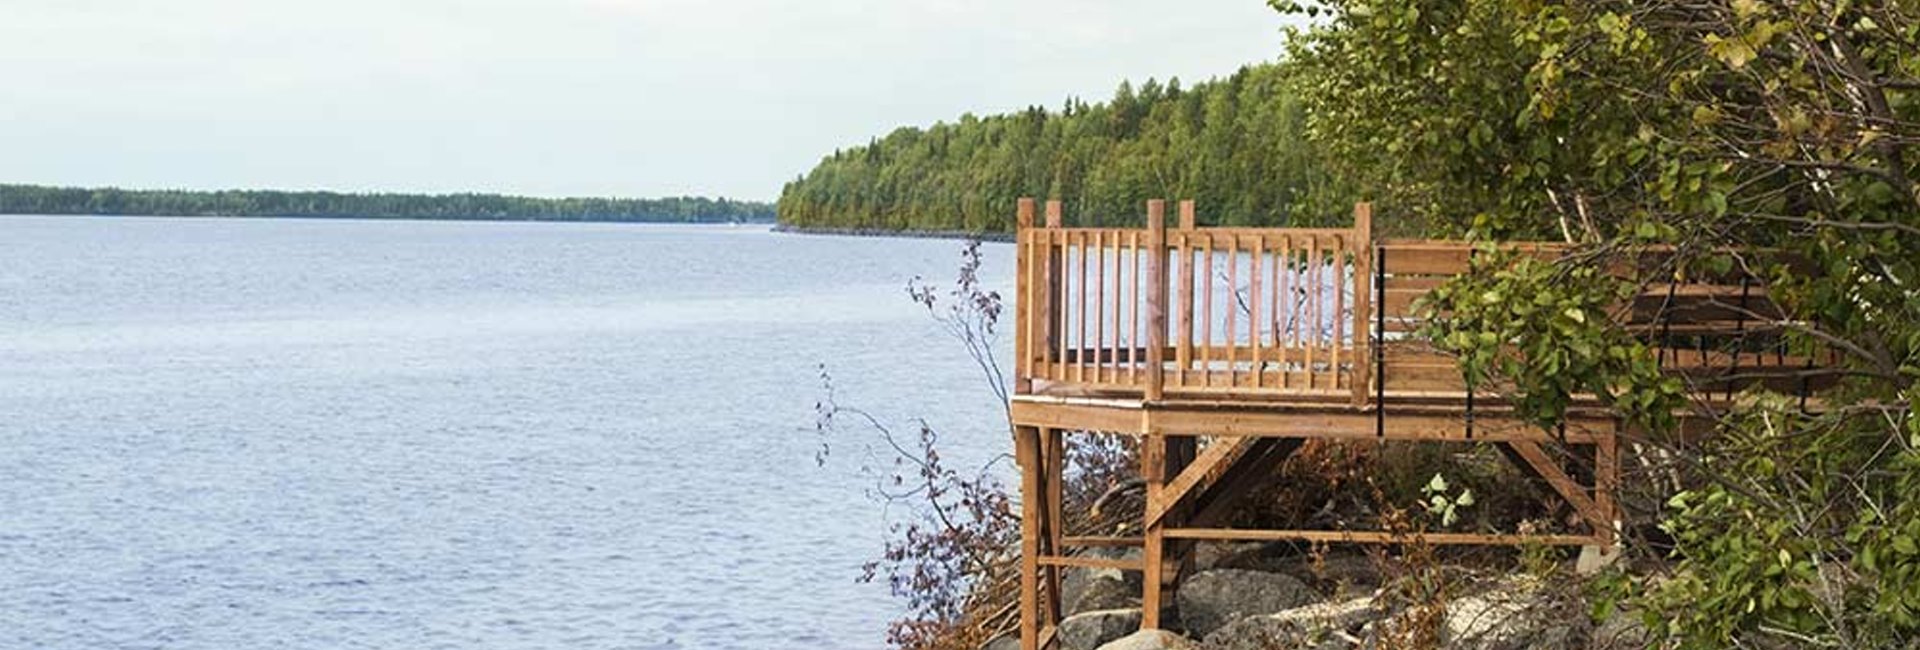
(1314,293)
(1206,313)
(1133,313)
(1233,304)
(1080,367)
(1100,307)
(1283,302)
(1188,230)
(1119,295)
(1253,302)
(1339,304)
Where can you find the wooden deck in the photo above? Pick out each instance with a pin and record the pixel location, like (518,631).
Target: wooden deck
(1224,349)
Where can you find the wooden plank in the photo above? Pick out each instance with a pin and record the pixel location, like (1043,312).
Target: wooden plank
(1089,562)
(1053,450)
(1073,417)
(1375,537)
(1101,541)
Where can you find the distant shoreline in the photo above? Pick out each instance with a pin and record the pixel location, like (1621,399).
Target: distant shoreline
(1003,237)
(347,217)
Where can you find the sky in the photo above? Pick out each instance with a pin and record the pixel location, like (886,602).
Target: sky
(553,97)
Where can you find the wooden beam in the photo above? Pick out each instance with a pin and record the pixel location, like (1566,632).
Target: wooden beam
(1090,562)
(1374,537)
(1216,456)
(1213,504)
(1091,541)
(1027,454)
(1557,478)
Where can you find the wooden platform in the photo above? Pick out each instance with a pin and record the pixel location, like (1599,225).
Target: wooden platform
(1223,349)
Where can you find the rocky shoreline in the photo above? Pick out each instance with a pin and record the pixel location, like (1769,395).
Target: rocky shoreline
(1245,596)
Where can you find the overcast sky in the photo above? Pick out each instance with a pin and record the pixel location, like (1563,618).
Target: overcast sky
(552,97)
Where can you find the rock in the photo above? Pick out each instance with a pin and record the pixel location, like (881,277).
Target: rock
(1321,626)
(1006,641)
(1345,576)
(1514,616)
(1086,590)
(1211,599)
(1621,631)
(1090,630)
(1150,640)
(1226,555)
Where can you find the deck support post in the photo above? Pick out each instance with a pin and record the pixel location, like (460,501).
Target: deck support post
(1153,571)
(1026,447)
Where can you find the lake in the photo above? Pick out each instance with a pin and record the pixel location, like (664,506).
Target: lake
(249,433)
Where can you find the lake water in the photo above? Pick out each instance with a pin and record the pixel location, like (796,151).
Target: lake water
(251,433)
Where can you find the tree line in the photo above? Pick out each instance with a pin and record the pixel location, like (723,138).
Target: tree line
(35,199)
(1233,144)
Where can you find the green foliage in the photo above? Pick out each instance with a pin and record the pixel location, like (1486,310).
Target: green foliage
(1443,504)
(1543,328)
(33,199)
(1781,129)
(1757,557)
(1234,145)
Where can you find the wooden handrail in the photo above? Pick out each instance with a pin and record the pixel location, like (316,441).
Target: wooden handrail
(1248,310)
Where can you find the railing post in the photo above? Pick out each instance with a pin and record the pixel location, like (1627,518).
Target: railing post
(1156,299)
(1026,300)
(1363,300)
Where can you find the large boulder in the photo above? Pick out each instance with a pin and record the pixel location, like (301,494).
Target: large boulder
(1150,640)
(1211,599)
(1320,626)
(1515,615)
(1090,630)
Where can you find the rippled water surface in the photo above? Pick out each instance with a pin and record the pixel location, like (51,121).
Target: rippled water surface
(241,433)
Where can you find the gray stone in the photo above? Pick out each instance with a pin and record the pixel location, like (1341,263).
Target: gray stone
(1211,599)
(1007,641)
(1514,615)
(1621,631)
(1226,555)
(1150,640)
(1321,626)
(1090,630)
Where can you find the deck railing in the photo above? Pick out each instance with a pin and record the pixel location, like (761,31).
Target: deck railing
(1289,314)
(1193,312)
